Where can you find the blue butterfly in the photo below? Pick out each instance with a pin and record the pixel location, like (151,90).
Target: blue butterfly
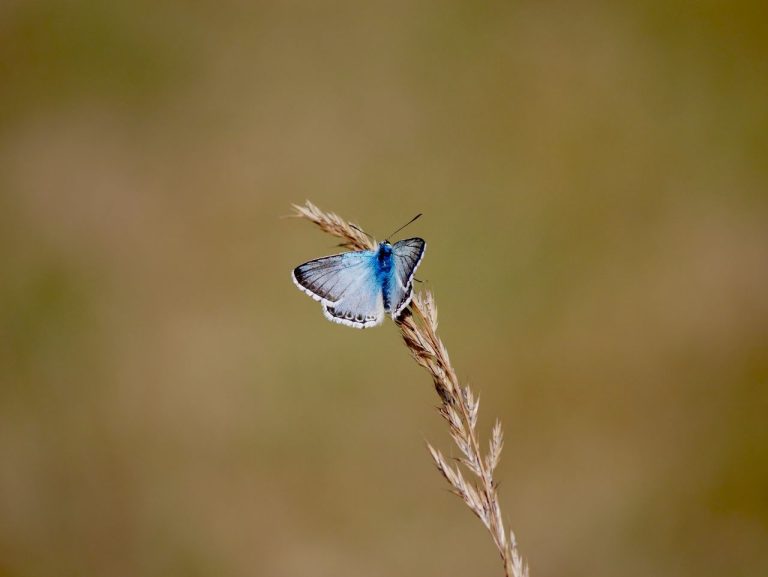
(357,288)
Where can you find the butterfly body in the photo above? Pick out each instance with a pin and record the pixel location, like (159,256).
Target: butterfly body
(358,288)
(384,272)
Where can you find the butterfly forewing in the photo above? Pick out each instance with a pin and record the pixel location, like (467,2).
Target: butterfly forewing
(347,286)
(407,255)
(327,279)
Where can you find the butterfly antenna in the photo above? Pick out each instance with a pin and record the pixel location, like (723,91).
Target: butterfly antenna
(358,229)
(402,227)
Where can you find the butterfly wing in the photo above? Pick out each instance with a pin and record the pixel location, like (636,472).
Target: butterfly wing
(407,255)
(346,285)
(362,304)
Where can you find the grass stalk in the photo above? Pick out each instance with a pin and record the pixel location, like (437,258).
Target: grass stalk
(472,476)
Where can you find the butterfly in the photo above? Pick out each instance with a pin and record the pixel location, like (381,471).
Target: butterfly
(358,288)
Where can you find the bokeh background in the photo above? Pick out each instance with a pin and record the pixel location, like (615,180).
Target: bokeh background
(593,177)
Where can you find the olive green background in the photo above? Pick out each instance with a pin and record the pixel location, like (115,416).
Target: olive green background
(593,177)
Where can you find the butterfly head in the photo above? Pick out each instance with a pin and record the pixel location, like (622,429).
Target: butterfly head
(385,249)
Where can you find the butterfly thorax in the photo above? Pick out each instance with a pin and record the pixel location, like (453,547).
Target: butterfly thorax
(385,250)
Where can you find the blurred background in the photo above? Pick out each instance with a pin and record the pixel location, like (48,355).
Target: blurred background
(593,177)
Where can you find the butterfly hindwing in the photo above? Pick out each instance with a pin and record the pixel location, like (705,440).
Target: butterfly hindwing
(407,255)
(347,285)
(362,304)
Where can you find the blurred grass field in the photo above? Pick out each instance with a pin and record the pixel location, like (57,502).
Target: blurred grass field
(593,178)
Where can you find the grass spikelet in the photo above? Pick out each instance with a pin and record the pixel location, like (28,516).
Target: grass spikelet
(352,235)
(458,405)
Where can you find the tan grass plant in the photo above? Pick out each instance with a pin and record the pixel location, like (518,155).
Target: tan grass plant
(471,477)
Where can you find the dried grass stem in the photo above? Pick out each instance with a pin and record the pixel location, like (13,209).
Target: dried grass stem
(459,407)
